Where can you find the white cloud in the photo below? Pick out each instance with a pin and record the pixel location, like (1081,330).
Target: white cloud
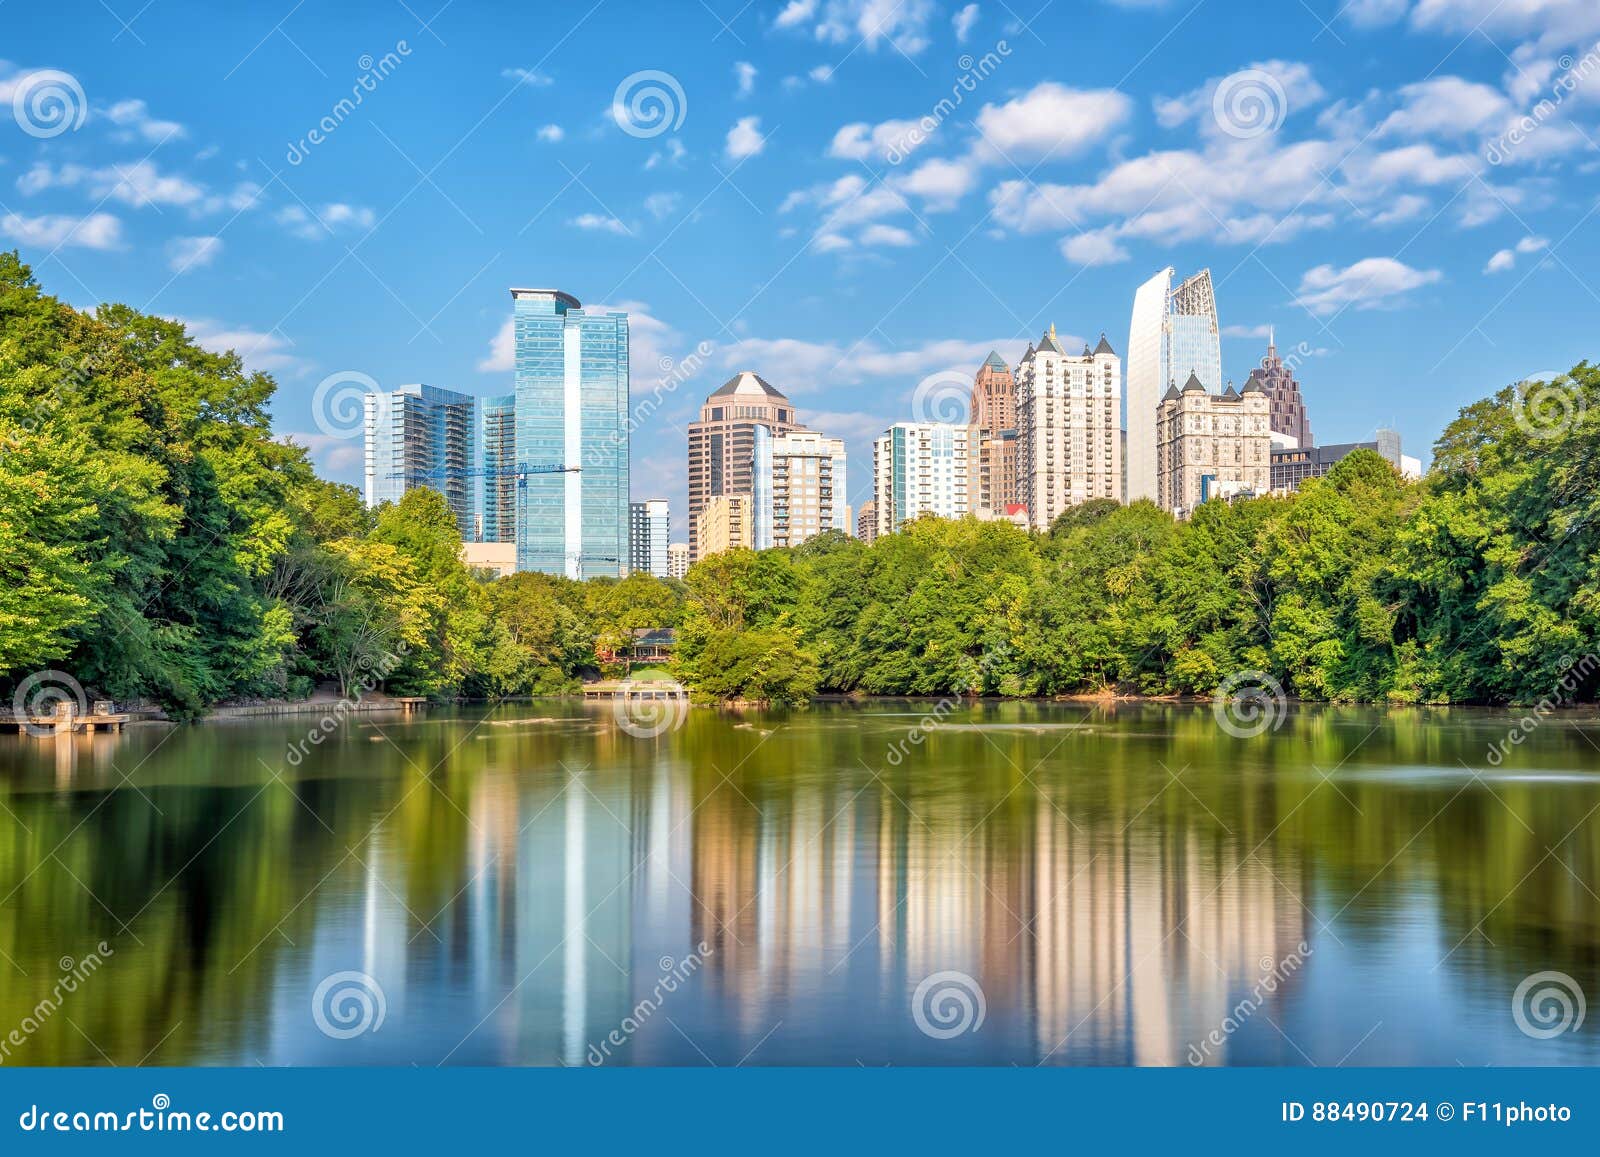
(1052,119)
(1532,244)
(263,352)
(139,184)
(1557,23)
(822,74)
(963,21)
(551,133)
(319,224)
(186,253)
(744,139)
(338,458)
(1503,260)
(1371,283)
(674,154)
(134,117)
(600,222)
(745,73)
(890,235)
(1300,90)
(1250,331)
(902,23)
(798,367)
(1405,207)
(96,231)
(1096,247)
(528,77)
(662,205)
(939,183)
(502,355)
(891,140)
(1446,106)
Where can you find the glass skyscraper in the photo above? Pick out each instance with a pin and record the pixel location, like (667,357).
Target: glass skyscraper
(650,529)
(420,435)
(571,411)
(494,492)
(1174,333)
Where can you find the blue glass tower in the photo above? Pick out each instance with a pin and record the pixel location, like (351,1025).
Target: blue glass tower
(494,493)
(571,411)
(420,435)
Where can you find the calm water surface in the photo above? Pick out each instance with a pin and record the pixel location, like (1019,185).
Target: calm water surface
(1117,885)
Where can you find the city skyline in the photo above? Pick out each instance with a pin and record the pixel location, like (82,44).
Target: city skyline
(1381,215)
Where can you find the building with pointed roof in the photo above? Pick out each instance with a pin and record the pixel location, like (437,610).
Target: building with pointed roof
(1211,445)
(1289,416)
(992,441)
(1069,428)
(722,443)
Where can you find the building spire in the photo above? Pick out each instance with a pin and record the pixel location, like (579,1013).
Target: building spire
(1272,342)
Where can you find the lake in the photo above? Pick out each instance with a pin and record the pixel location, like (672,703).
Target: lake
(877,883)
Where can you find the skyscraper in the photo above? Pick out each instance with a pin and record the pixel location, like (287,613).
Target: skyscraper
(420,435)
(1069,437)
(722,443)
(571,412)
(799,488)
(649,529)
(677,559)
(494,483)
(993,441)
(919,468)
(1174,333)
(1283,392)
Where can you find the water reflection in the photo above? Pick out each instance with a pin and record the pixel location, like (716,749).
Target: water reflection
(1122,884)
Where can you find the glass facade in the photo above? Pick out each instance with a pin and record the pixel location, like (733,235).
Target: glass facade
(421,435)
(1174,333)
(650,529)
(571,411)
(495,454)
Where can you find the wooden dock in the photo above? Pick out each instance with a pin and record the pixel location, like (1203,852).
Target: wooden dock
(633,692)
(66,720)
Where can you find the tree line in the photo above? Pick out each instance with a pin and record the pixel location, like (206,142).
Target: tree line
(158,543)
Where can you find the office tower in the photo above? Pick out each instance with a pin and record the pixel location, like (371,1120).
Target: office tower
(993,442)
(919,468)
(1212,445)
(724,525)
(1069,444)
(798,487)
(649,528)
(572,415)
(1292,465)
(494,481)
(677,559)
(1174,334)
(420,435)
(1289,416)
(723,442)
(867,521)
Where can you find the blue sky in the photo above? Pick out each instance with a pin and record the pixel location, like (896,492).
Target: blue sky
(1404,188)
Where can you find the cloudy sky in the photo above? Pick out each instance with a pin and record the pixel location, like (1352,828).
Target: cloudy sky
(846,196)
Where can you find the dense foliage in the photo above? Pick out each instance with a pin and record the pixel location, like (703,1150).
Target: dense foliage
(158,543)
(1479,584)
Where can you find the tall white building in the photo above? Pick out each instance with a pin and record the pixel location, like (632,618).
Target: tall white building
(677,559)
(1173,334)
(920,468)
(798,487)
(1069,427)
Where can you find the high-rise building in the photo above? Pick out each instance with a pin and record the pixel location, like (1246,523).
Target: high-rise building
(867,521)
(649,529)
(677,559)
(1174,334)
(919,468)
(798,487)
(1289,416)
(420,435)
(494,485)
(571,414)
(722,443)
(1212,445)
(1069,443)
(724,525)
(993,439)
